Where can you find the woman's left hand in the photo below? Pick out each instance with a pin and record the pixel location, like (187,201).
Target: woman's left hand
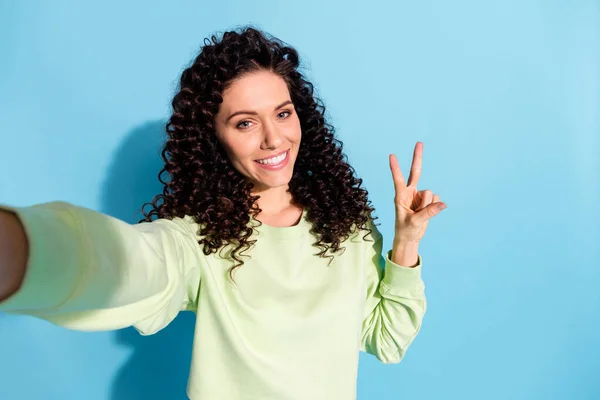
(414,208)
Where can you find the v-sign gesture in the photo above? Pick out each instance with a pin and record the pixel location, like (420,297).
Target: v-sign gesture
(414,208)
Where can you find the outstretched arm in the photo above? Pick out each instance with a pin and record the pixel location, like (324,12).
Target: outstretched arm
(89,271)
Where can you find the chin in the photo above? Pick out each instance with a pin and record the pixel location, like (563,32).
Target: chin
(275,182)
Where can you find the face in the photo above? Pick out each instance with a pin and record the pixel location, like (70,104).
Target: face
(259,129)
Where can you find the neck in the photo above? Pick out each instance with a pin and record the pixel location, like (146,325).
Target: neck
(274,200)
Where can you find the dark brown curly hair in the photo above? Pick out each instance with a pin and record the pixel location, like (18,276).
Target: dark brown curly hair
(203,183)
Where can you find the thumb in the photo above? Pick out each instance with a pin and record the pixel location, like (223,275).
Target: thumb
(428,212)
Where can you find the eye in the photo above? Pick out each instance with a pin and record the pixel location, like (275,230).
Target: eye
(241,126)
(285,112)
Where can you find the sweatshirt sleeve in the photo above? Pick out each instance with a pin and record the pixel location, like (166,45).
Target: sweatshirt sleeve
(89,271)
(395,304)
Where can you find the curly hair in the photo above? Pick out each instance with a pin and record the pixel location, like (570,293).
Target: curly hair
(204,184)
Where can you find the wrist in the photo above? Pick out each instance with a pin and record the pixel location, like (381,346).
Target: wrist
(405,254)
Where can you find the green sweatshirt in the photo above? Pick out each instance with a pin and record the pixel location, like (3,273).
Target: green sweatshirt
(290,326)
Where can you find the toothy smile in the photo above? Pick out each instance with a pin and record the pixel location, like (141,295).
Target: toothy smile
(274,160)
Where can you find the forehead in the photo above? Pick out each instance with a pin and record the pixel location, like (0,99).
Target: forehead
(255,91)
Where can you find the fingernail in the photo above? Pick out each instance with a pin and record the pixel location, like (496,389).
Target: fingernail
(442,206)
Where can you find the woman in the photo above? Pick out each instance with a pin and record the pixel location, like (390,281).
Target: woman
(262,229)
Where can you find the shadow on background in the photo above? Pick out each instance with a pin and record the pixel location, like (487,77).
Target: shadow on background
(159,365)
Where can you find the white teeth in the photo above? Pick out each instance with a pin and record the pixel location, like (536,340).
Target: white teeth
(274,160)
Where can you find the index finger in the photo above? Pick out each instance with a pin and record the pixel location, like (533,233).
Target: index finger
(415,169)
(396,173)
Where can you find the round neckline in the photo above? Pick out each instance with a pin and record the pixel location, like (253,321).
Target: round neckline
(283,232)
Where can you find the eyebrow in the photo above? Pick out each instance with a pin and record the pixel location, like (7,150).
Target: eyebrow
(254,112)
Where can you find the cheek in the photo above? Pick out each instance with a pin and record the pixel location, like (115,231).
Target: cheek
(294,132)
(242,150)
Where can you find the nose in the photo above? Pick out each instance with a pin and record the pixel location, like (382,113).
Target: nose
(272,138)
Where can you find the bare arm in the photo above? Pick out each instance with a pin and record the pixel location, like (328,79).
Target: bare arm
(14,249)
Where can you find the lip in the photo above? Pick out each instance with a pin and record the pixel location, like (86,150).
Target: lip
(278,166)
(274,155)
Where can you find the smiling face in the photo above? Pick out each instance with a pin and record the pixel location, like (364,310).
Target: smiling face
(259,129)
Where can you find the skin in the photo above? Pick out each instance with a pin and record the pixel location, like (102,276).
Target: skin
(14,253)
(257,120)
(414,209)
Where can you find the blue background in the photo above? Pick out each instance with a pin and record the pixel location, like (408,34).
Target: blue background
(504,95)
